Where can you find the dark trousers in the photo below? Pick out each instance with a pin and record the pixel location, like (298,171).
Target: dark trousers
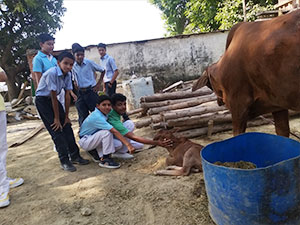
(110,90)
(64,139)
(85,104)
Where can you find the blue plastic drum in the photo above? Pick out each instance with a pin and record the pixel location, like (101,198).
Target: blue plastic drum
(269,194)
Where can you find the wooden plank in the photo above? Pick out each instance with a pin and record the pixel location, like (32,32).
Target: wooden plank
(182,105)
(28,136)
(172,86)
(135,111)
(176,95)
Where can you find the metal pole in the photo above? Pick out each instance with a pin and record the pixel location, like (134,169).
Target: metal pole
(244,10)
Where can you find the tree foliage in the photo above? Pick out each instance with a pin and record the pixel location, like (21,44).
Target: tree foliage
(173,14)
(201,14)
(231,12)
(208,15)
(21,22)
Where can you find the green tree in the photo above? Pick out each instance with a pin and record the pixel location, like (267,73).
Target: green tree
(21,22)
(231,12)
(201,14)
(173,14)
(193,16)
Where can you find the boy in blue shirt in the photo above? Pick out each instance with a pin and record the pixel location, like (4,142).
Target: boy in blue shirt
(111,70)
(55,119)
(126,129)
(85,82)
(44,60)
(97,133)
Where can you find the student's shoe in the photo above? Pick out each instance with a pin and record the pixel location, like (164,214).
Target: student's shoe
(109,163)
(80,161)
(122,155)
(94,155)
(68,166)
(4,199)
(15,182)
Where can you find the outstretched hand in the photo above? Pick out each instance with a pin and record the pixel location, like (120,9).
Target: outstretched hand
(131,149)
(165,143)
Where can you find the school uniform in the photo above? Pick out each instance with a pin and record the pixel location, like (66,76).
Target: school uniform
(54,80)
(85,78)
(95,134)
(41,63)
(108,63)
(114,119)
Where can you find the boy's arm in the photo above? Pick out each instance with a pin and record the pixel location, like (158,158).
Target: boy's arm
(73,96)
(37,67)
(67,106)
(132,136)
(37,76)
(116,73)
(122,139)
(97,87)
(98,68)
(56,124)
(104,89)
(115,69)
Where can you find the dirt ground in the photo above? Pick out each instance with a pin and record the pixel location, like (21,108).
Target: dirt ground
(131,195)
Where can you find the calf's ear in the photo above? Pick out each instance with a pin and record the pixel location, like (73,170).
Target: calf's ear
(201,82)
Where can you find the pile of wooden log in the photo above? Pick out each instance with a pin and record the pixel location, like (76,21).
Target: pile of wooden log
(191,114)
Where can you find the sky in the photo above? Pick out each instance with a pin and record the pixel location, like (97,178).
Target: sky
(90,22)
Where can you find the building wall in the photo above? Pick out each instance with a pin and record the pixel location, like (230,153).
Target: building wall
(166,60)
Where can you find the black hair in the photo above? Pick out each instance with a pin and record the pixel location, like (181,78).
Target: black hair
(45,37)
(101,45)
(117,97)
(77,48)
(65,54)
(103,98)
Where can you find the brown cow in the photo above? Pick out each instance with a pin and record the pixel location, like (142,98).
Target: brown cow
(184,155)
(259,71)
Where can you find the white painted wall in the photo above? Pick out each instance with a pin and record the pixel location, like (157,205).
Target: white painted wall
(166,60)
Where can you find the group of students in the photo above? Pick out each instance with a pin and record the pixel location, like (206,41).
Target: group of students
(102,133)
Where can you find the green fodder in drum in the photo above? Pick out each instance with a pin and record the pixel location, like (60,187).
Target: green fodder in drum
(240,165)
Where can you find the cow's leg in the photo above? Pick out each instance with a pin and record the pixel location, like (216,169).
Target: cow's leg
(281,119)
(239,125)
(239,108)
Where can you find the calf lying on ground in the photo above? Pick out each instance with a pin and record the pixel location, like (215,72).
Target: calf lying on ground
(184,155)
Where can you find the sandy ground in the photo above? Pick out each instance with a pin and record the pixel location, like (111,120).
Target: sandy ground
(93,195)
